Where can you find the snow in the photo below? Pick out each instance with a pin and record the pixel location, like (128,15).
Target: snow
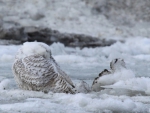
(84,64)
(82,87)
(7,53)
(129,92)
(72,16)
(39,102)
(117,76)
(135,84)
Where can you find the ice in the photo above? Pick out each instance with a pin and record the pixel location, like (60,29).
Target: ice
(84,64)
(82,87)
(4,84)
(115,77)
(135,84)
(7,53)
(71,103)
(74,16)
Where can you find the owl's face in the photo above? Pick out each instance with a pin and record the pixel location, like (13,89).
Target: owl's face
(34,48)
(117,64)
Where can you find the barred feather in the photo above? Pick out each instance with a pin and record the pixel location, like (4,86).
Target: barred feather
(38,73)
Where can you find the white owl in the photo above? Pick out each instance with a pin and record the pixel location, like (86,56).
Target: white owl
(96,86)
(35,69)
(115,65)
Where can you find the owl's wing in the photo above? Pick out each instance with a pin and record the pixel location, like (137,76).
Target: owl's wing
(17,69)
(36,70)
(64,75)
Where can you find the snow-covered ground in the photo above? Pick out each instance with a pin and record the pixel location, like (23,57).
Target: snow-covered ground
(74,16)
(82,64)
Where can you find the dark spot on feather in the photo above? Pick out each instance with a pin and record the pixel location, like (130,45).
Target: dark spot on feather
(116,60)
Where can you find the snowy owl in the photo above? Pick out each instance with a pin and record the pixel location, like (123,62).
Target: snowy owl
(35,69)
(96,84)
(104,72)
(115,65)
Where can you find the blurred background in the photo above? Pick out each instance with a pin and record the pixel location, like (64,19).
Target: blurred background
(75,23)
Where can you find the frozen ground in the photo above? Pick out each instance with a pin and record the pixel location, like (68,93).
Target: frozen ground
(85,65)
(74,16)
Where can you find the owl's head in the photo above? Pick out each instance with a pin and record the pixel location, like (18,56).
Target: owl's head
(117,64)
(34,48)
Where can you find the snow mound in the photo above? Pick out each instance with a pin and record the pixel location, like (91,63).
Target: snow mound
(135,84)
(4,84)
(124,74)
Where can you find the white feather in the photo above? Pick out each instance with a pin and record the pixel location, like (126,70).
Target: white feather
(35,69)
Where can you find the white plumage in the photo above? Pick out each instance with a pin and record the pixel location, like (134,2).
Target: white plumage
(118,72)
(117,64)
(35,69)
(96,86)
